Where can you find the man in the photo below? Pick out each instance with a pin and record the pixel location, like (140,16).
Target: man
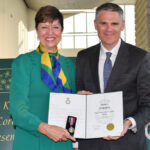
(127,69)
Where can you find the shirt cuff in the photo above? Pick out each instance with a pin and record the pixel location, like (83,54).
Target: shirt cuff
(75,145)
(133,127)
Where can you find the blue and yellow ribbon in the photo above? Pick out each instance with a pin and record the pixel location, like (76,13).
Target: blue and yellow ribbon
(51,71)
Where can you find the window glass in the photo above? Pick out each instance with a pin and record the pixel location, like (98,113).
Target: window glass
(80,41)
(123,34)
(90,22)
(92,40)
(67,42)
(68,24)
(80,22)
(130,24)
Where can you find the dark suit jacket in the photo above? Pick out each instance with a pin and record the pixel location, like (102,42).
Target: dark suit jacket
(130,74)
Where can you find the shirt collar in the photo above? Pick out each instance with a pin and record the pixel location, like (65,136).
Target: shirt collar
(114,51)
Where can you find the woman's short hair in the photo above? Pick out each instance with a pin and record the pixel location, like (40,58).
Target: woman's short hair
(48,14)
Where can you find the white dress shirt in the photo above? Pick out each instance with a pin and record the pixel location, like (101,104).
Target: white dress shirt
(102,58)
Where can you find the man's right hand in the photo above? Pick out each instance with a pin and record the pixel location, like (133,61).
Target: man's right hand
(83,92)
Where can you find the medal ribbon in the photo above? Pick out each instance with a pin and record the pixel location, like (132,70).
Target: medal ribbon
(51,71)
(71,121)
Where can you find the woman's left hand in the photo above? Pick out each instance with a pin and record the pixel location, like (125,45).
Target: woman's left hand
(55,133)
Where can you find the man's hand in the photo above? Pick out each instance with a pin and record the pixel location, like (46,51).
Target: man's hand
(84,92)
(127,124)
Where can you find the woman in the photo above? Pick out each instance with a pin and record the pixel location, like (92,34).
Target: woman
(34,76)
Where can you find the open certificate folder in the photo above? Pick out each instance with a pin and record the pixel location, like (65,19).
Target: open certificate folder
(98,115)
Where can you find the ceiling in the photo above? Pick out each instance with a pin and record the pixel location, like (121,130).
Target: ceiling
(72,4)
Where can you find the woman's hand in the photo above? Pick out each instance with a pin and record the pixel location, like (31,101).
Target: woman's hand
(55,133)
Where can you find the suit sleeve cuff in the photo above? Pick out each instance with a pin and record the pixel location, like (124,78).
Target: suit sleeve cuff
(75,145)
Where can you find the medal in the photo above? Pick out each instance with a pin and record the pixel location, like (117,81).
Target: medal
(71,129)
(70,126)
(71,122)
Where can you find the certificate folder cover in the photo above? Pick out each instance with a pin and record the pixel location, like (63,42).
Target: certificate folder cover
(98,115)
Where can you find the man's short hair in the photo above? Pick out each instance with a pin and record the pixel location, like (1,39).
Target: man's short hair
(110,7)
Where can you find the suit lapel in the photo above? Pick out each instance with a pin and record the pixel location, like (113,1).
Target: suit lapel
(94,59)
(119,66)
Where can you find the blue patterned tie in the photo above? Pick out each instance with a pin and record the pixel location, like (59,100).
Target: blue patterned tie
(107,68)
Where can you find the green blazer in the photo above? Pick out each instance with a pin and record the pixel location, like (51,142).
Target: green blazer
(29,101)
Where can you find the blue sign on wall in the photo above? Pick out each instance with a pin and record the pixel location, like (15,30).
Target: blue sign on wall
(6,123)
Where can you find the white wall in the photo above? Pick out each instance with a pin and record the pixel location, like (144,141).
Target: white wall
(13,27)
(31,22)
